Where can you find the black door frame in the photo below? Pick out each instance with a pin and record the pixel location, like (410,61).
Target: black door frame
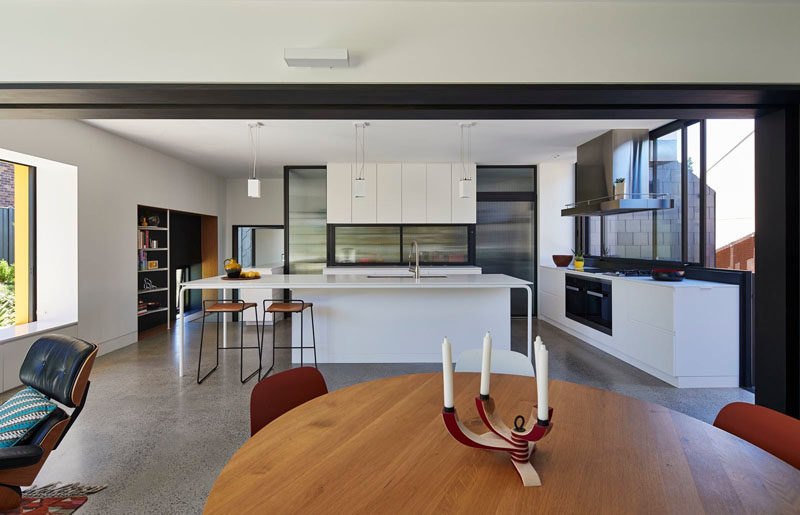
(774,106)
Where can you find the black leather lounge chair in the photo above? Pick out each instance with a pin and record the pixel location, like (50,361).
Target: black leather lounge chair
(58,367)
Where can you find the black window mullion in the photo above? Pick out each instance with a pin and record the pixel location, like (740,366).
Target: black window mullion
(684,195)
(703,221)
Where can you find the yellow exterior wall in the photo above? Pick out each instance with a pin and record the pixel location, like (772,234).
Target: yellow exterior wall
(21,243)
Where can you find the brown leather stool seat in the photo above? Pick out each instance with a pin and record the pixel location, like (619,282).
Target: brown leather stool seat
(230,307)
(288,307)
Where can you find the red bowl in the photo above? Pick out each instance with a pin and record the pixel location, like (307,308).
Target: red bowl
(562,260)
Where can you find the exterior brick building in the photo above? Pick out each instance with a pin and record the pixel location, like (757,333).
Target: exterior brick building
(738,255)
(6,184)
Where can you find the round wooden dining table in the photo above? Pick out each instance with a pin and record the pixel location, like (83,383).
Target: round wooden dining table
(382,447)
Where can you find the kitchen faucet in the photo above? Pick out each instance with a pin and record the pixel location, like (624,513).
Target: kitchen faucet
(415,267)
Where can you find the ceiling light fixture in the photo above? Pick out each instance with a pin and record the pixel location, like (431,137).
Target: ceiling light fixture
(360,182)
(316,57)
(465,185)
(254,184)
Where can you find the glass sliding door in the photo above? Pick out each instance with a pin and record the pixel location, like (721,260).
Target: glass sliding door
(505,233)
(306,210)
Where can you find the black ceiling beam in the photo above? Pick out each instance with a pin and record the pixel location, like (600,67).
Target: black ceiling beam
(383,101)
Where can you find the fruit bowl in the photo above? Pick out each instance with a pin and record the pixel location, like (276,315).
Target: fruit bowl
(562,260)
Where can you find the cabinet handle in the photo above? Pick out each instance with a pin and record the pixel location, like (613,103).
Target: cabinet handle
(573,288)
(595,294)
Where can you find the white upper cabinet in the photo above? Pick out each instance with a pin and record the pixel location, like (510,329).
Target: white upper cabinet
(414,193)
(364,208)
(438,193)
(339,193)
(410,193)
(463,208)
(389,208)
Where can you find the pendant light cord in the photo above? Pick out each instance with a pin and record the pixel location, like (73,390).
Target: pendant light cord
(360,170)
(465,174)
(254,144)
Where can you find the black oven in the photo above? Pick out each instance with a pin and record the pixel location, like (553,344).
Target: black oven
(588,301)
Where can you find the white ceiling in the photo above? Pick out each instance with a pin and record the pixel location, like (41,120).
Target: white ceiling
(222,146)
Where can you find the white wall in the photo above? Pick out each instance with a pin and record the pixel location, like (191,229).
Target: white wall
(114,175)
(538,41)
(556,189)
(242,210)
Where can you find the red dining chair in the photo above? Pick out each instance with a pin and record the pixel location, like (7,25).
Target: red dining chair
(776,433)
(275,395)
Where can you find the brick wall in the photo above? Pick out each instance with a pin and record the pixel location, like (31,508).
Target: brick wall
(739,255)
(6,184)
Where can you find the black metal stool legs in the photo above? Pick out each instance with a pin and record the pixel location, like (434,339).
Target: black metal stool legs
(242,348)
(302,347)
(200,357)
(313,338)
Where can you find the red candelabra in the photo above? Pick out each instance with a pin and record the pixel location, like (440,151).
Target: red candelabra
(519,442)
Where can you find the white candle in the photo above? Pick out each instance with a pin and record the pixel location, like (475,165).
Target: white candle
(537,344)
(447,372)
(486,364)
(542,384)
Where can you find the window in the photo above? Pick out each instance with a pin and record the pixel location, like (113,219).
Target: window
(17,256)
(667,169)
(392,244)
(258,246)
(730,194)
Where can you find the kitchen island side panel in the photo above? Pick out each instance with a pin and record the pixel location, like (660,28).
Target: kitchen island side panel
(401,325)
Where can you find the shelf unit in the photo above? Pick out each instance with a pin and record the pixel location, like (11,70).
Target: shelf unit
(158,276)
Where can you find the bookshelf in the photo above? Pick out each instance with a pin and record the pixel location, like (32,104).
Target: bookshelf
(153,299)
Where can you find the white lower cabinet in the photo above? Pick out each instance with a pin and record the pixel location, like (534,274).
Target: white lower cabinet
(686,333)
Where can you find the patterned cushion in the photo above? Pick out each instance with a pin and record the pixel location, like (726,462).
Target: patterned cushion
(21,413)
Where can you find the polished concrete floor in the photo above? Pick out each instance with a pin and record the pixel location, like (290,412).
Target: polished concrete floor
(159,441)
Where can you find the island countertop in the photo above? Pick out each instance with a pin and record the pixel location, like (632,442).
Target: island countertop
(318,281)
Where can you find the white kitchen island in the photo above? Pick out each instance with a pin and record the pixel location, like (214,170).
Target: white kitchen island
(363,319)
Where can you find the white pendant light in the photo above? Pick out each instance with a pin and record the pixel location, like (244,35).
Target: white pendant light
(254,184)
(360,182)
(466,188)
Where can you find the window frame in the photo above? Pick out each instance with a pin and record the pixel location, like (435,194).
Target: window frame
(331,246)
(583,233)
(31,272)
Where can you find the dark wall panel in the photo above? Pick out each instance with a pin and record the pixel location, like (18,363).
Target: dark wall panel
(777,306)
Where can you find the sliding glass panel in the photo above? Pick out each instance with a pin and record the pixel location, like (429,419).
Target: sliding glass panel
(307,220)
(730,197)
(667,179)
(693,192)
(367,244)
(438,244)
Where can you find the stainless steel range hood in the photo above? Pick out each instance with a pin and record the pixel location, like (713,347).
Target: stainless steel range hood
(619,153)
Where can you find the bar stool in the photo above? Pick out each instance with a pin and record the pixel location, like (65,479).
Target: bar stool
(290,306)
(230,306)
